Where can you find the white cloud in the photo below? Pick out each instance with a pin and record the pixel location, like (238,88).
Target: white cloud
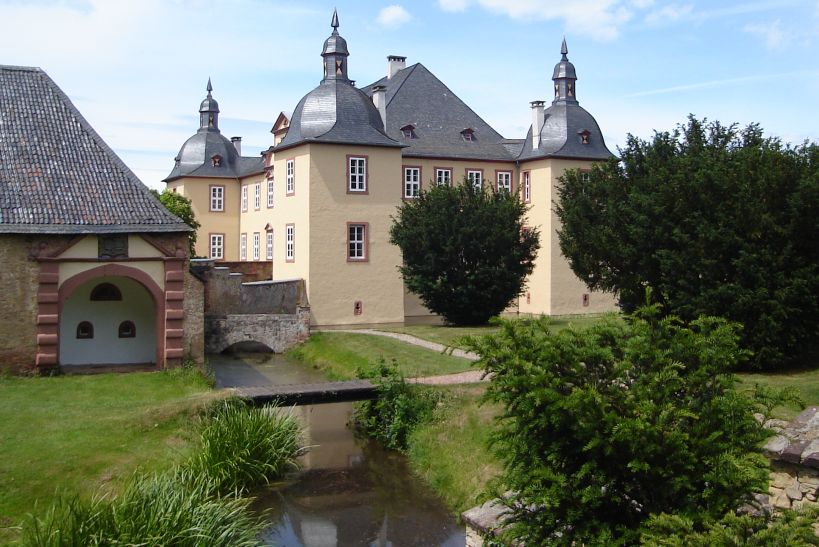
(393,16)
(770,33)
(453,5)
(598,19)
(642,4)
(669,13)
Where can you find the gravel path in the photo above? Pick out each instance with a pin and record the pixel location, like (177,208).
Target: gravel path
(467,377)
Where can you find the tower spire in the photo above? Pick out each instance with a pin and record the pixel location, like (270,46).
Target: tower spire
(209,112)
(334,21)
(564,77)
(335,54)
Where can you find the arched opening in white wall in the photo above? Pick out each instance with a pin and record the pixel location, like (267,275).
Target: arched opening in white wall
(108,321)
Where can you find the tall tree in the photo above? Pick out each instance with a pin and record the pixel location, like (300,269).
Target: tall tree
(466,251)
(181,207)
(717,220)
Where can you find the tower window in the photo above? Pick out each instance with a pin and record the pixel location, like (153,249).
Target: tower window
(85,330)
(105,292)
(127,329)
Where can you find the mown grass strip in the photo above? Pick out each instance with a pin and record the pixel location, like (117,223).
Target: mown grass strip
(339,355)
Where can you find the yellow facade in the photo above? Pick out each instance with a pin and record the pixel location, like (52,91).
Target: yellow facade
(224,221)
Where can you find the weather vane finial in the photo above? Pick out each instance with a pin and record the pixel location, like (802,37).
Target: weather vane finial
(334,22)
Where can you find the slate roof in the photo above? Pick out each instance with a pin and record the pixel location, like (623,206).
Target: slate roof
(57,175)
(336,112)
(195,158)
(560,136)
(417,97)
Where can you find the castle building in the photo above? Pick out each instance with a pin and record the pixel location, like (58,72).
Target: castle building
(318,203)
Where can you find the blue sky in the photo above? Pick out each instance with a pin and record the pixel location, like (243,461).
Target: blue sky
(137,69)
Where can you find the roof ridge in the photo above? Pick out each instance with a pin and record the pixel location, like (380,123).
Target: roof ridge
(410,70)
(22,68)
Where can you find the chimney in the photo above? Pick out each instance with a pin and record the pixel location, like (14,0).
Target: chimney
(537,122)
(380,102)
(394,64)
(237,144)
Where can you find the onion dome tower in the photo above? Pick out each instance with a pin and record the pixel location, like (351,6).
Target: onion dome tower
(564,129)
(336,111)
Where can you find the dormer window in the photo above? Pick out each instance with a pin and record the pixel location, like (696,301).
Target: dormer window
(216,160)
(584,136)
(468,134)
(408,131)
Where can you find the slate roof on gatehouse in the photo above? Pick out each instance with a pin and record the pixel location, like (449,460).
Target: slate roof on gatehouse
(57,175)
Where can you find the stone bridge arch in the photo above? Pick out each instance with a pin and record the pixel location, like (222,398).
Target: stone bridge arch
(279,332)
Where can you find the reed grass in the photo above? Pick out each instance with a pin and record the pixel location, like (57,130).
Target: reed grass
(243,447)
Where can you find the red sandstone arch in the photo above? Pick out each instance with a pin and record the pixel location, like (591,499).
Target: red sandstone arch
(117,270)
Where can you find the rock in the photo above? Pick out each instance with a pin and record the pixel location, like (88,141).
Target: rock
(810,454)
(793,492)
(781,501)
(793,452)
(781,480)
(759,417)
(775,446)
(776,425)
(807,418)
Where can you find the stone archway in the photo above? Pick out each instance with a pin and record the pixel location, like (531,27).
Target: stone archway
(121,308)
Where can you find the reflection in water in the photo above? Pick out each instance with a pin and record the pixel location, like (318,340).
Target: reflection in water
(350,491)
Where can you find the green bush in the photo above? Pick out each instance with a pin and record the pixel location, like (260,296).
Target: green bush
(789,529)
(175,508)
(399,408)
(244,446)
(603,427)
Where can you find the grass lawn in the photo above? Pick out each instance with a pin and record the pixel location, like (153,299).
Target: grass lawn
(80,433)
(451,336)
(806,383)
(451,452)
(338,354)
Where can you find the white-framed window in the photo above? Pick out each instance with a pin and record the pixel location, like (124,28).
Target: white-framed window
(475,178)
(290,177)
(217,246)
(585,176)
(270,193)
(244,198)
(412,182)
(217,198)
(269,249)
(290,243)
(356,173)
(443,176)
(356,241)
(243,247)
(504,181)
(527,187)
(257,243)
(257,196)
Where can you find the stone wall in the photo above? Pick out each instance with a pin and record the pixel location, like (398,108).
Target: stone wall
(794,455)
(228,292)
(279,332)
(251,271)
(193,339)
(18,302)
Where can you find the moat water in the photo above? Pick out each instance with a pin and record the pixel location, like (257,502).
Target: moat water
(349,491)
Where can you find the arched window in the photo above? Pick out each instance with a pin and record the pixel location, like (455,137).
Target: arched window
(85,330)
(106,292)
(127,329)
